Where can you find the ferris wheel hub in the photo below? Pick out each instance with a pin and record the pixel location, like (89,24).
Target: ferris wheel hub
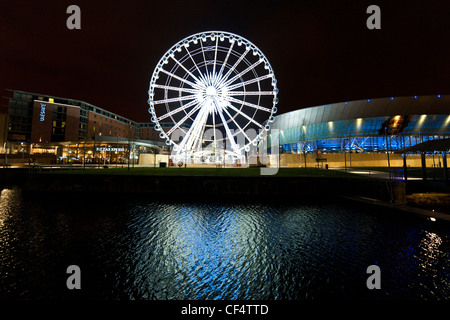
(211,91)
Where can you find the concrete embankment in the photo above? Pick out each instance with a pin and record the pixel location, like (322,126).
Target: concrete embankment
(384,193)
(203,187)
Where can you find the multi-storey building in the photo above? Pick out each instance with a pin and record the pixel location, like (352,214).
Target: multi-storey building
(73,130)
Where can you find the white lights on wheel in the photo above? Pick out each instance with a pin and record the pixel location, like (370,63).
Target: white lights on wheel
(222,84)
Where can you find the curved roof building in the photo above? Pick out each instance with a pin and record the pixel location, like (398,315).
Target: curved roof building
(365,125)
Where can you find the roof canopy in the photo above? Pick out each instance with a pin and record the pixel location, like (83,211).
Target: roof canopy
(431,146)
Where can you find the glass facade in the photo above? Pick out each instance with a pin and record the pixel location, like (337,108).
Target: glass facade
(20,113)
(362,126)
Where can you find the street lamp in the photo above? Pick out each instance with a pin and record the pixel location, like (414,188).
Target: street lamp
(387,150)
(117,151)
(345,156)
(6,152)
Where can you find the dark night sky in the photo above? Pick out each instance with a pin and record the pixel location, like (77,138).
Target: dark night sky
(321,51)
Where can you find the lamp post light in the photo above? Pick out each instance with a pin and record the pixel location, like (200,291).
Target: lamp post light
(6,152)
(387,150)
(84,153)
(350,152)
(345,155)
(129,155)
(117,151)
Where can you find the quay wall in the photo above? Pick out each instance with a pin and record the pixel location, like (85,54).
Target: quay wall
(206,187)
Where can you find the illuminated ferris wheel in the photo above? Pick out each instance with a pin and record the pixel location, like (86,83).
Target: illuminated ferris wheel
(212,95)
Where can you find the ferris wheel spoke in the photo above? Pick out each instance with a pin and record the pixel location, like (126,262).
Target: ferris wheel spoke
(231,99)
(215,56)
(240,74)
(241,84)
(204,58)
(233,67)
(245,115)
(193,85)
(187,71)
(198,127)
(179,123)
(160,86)
(237,125)
(189,139)
(177,99)
(196,65)
(225,61)
(187,105)
(214,132)
(200,137)
(250,93)
(227,129)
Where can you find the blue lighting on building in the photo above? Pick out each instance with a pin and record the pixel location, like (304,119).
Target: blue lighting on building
(42,112)
(439,95)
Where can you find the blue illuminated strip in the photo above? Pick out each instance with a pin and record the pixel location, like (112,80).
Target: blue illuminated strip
(42,112)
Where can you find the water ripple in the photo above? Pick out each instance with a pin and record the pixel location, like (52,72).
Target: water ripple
(139,249)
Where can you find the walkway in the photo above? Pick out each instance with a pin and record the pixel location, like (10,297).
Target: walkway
(374,174)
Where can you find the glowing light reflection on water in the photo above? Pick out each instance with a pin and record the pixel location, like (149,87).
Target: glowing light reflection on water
(144,249)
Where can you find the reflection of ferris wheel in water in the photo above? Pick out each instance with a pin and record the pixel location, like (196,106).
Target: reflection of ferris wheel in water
(210,95)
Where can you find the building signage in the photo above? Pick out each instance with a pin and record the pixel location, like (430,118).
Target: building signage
(110,149)
(42,113)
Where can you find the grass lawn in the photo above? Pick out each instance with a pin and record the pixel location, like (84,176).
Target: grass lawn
(241,172)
